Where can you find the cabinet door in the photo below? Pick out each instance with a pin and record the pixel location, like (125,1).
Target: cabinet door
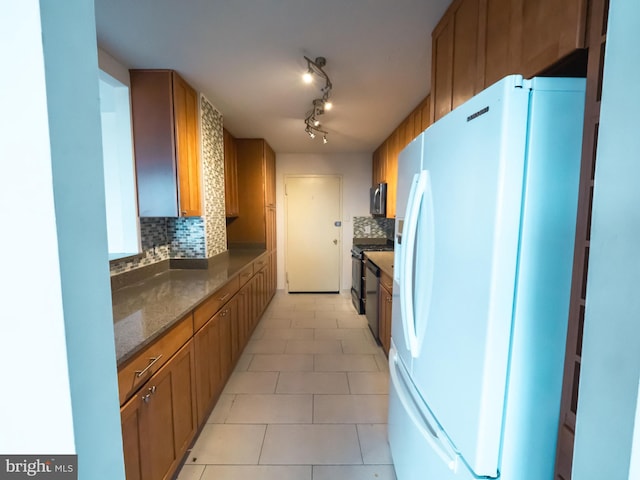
(154,142)
(273,273)
(230,175)
(384,309)
(226,317)
(270,225)
(391,171)
(163,413)
(425,107)
(408,130)
(375,167)
(168,415)
(244,314)
(442,68)
(379,164)
(164,112)
(456,69)
(234,322)
(208,373)
(132,437)
(249,227)
(501,33)
(269,176)
(549,30)
(185,107)
(183,404)
(417,121)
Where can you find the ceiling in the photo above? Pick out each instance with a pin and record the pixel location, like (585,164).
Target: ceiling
(246,57)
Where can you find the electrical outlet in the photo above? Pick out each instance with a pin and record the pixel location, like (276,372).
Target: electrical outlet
(367,229)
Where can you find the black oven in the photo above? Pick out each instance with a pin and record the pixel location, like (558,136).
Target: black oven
(358,280)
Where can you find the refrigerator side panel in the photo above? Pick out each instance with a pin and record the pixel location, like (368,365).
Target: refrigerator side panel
(544,279)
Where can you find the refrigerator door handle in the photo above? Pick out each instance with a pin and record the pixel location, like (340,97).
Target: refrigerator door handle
(418,188)
(429,432)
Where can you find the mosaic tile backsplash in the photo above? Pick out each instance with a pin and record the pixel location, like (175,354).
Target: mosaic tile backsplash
(187,237)
(213,166)
(372,227)
(190,237)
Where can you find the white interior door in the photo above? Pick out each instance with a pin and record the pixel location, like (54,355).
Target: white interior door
(313,209)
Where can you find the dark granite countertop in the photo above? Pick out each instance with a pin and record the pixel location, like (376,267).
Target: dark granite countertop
(144,310)
(384,260)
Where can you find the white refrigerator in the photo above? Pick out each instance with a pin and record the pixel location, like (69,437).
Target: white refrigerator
(486,200)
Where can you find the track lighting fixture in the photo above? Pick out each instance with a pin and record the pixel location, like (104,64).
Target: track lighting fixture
(320,105)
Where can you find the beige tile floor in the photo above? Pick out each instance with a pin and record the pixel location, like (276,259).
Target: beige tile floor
(306,401)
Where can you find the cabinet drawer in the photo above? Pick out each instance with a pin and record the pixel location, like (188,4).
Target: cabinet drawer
(245,274)
(212,304)
(138,370)
(386,281)
(260,263)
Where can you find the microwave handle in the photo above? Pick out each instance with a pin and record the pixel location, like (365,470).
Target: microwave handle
(376,200)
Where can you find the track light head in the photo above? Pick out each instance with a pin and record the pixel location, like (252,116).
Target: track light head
(320,105)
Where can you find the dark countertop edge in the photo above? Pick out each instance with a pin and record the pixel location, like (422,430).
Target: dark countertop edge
(257,253)
(124,359)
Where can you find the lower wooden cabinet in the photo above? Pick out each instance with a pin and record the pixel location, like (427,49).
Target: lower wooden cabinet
(385,311)
(208,373)
(159,422)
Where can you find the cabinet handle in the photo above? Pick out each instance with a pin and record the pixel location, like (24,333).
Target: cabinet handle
(147,397)
(389,299)
(224,297)
(152,360)
(184,212)
(224,313)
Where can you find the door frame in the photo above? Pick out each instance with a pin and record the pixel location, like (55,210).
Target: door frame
(286,223)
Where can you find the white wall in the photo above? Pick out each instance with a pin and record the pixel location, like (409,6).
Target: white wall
(610,370)
(355,169)
(119,173)
(113,67)
(56,324)
(35,409)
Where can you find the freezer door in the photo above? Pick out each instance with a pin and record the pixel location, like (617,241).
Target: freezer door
(418,445)
(465,268)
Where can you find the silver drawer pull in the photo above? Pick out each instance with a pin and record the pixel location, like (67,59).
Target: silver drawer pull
(222,299)
(152,360)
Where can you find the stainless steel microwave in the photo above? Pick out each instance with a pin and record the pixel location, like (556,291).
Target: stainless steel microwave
(378,200)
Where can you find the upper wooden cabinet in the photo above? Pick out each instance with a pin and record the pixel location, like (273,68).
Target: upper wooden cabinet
(455,57)
(256,182)
(549,30)
(164,110)
(385,158)
(478,42)
(230,175)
